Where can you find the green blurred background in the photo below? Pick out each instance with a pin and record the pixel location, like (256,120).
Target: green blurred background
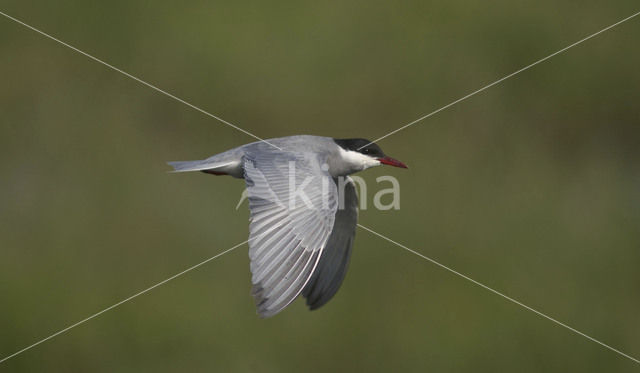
(531,187)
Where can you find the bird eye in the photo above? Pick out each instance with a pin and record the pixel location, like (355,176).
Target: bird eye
(366,151)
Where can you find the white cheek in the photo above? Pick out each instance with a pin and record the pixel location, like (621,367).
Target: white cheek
(370,162)
(359,161)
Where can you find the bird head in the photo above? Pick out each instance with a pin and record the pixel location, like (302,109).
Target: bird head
(362,154)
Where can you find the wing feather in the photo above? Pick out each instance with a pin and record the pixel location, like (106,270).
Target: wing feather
(332,267)
(286,237)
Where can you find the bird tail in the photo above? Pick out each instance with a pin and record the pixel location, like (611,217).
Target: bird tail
(199,165)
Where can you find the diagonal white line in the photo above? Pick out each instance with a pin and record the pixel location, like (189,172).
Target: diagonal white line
(137,79)
(499,293)
(502,79)
(121,302)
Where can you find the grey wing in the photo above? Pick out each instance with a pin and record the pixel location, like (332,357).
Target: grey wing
(332,267)
(287,232)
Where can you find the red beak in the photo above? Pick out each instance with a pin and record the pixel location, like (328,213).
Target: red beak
(392,162)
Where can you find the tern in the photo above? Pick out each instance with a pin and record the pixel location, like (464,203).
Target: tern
(303,212)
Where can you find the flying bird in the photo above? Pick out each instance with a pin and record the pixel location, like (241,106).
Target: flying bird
(303,212)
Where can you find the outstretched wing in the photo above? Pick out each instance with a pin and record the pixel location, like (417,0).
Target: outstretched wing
(332,267)
(293,202)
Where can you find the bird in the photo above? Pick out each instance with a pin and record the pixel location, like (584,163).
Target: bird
(303,212)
